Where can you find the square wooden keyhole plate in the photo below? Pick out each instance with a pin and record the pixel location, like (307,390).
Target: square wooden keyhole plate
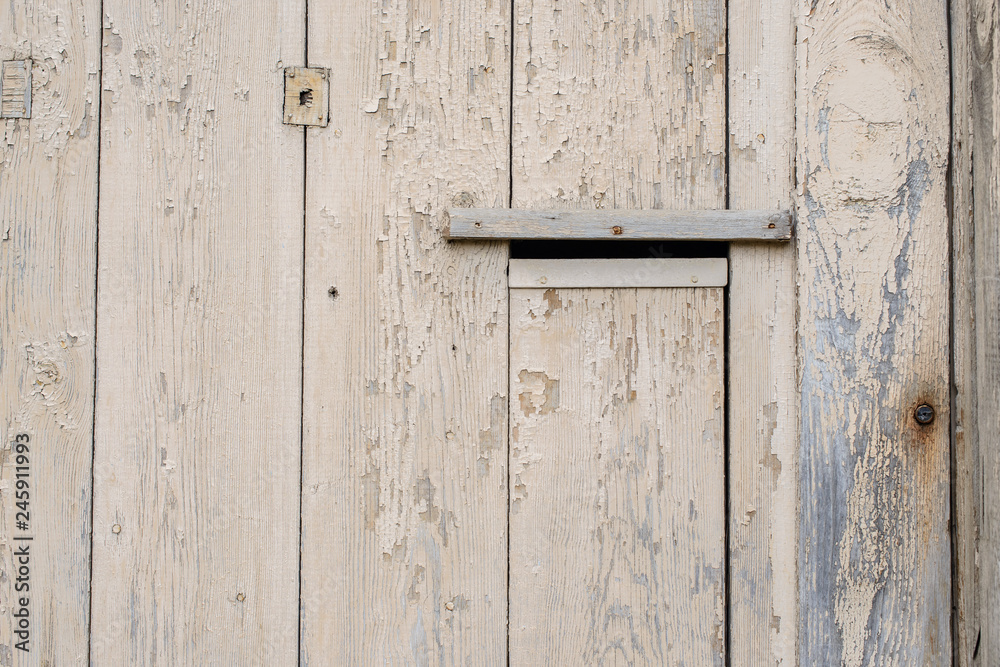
(307,96)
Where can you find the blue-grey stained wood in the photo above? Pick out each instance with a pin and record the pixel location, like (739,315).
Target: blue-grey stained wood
(873,142)
(623,225)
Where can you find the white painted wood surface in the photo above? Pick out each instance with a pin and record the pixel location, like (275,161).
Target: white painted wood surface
(617,106)
(404,520)
(763,393)
(700,272)
(976,327)
(48,212)
(196,510)
(617,522)
(710,225)
(872,119)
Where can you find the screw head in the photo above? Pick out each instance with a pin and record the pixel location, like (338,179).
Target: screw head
(116,529)
(924,414)
(616,230)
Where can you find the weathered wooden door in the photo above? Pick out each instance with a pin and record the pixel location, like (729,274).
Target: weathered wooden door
(260,408)
(617,497)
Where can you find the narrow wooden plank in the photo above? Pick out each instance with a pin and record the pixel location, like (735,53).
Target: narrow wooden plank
(196,509)
(617,106)
(700,272)
(617,525)
(763,405)
(977,329)
(972,55)
(48,224)
(721,225)
(872,119)
(404,556)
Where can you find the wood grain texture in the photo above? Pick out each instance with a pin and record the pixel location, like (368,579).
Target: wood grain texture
(976,308)
(48,223)
(623,225)
(986,254)
(873,132)
(672,272)
(196,514)
(404,503)
(763,405)
(619,105)
(617,524)
(969,60)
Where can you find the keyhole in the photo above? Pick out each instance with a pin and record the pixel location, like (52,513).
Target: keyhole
(306,98)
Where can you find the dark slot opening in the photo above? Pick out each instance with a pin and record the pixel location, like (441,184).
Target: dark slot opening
(559,249)
(306,98)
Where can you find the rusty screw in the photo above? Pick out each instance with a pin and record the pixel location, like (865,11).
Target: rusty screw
(616,230)
(924,414)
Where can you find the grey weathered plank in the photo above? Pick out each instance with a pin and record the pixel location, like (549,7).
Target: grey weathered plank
(873,144)
(976,299)
(763,409)
(968,63)
(705,225)
(48,227)
(404,517)
(196,504)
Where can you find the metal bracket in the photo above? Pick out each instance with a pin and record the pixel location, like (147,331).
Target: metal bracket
(15,89)
(307,96)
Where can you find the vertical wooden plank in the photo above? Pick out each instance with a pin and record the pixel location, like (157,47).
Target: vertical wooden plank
(616,106)
(404,556)
(874,341)
(619,105)
(48,222)
(971,59)
(617,525)
(976,280)
(986,253)
(763,393)
(196,511)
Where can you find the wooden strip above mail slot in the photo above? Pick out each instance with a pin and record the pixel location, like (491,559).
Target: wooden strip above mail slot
(620,224)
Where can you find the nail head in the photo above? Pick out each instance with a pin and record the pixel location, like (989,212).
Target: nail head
(924,414)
